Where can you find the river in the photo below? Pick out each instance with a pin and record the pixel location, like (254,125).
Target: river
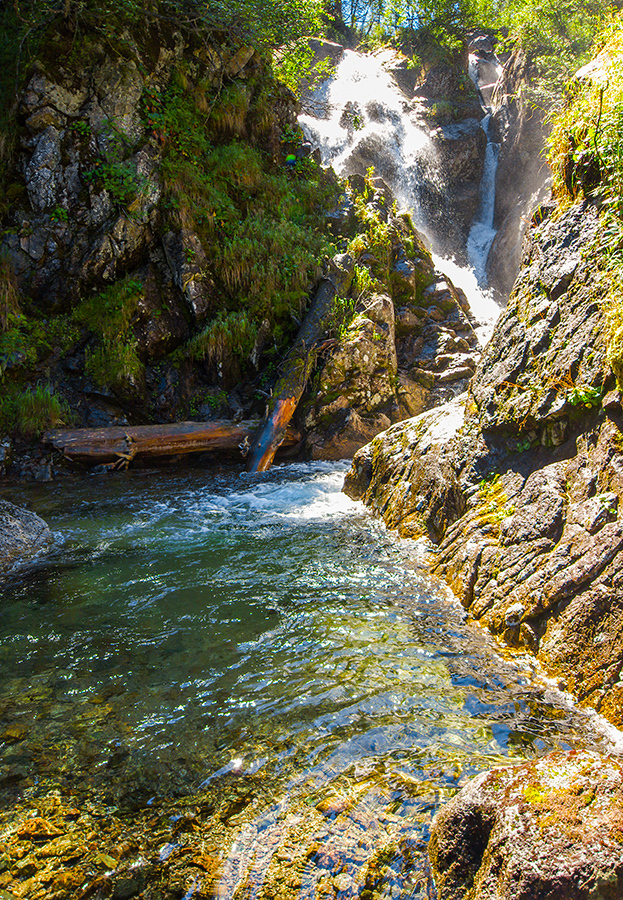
(213,637)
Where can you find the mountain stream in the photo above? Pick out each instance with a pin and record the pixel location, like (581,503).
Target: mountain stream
(260,651)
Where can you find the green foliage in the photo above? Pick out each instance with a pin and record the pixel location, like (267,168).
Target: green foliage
(260,224)
(59,214)
(31,411)
(585,395)
(342,315)
(586,157)
(493,506)
(374,237)
(114,172)
(114,361)
(9,296)
(225,336)
(294,66)
(557,37)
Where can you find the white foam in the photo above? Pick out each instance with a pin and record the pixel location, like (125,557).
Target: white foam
(484,308)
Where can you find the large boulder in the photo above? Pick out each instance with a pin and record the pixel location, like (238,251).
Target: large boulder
(22,534)
(550,828)
(398,356)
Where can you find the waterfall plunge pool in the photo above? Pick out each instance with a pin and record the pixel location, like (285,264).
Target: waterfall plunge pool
(260,650)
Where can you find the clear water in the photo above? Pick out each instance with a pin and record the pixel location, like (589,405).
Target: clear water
(199,627)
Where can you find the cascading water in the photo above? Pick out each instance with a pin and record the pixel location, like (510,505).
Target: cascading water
(360,118)
(482,232)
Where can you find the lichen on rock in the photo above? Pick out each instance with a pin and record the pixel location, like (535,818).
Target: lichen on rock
(23,534)
(546,828)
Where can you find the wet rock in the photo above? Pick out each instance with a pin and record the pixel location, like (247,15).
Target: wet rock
(523,179)
(404,474)
(22,534)
(188,262)
(38,829)
(359,377)
(523,493)
(550,828)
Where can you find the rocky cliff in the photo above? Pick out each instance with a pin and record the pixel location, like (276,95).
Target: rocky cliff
(519,481)
(158,254)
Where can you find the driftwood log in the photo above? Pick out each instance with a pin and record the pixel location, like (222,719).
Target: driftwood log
(299,365)
(121,444)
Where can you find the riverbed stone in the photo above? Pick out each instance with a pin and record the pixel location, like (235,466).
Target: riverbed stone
(547,828)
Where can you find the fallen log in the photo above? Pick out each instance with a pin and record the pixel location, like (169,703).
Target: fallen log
(122,444)
(299,364)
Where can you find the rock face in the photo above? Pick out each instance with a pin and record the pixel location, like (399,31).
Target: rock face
(398,356)
(546,829)
(22,534)
(520,480)
(523,179)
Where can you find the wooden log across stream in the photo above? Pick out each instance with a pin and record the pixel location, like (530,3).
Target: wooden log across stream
(122,444)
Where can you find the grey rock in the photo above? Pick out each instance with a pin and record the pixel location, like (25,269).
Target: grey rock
(521,495)
(41,171)
(22,535)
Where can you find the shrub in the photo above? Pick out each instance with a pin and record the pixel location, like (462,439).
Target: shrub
(114,361)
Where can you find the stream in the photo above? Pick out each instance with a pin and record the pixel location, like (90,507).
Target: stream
(261,648)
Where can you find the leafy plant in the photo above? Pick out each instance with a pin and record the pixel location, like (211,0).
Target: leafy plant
(59,214)
(585,395)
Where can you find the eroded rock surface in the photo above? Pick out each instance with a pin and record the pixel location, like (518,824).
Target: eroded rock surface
(523,179)
(520,481)
(399,355)
(22,534)
(546,829)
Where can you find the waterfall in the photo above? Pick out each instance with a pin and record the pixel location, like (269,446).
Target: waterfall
(484,74)
(482,232)
(360,118)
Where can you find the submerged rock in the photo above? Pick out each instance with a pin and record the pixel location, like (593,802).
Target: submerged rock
(22,534)
(551,828)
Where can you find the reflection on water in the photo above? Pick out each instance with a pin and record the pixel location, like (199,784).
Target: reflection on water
(190,630)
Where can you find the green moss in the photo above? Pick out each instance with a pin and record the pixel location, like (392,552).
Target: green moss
(492,505)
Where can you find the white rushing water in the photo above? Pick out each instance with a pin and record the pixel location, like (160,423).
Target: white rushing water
(360,118)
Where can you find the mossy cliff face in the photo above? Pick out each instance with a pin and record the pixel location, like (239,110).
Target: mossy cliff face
(520,480)
(403,340)
(149,204)
(158,255)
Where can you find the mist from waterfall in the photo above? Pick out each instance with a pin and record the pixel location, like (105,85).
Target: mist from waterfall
(360,118)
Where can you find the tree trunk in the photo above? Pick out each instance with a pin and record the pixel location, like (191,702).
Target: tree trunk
(298,365)
(121,445)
